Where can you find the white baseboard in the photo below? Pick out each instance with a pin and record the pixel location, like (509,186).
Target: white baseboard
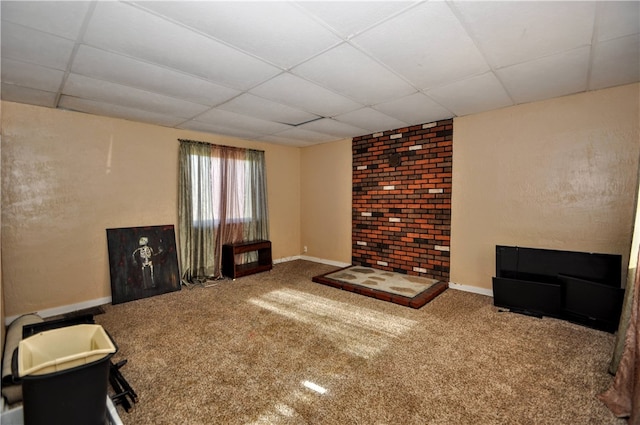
(323,261)
(50,312)
(314,259)
(285,259)
(473,289)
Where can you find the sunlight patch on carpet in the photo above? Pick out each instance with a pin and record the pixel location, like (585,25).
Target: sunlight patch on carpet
(354,330)
(283,411)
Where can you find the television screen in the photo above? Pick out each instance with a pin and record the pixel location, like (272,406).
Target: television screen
(592,301)
(546,264)
(527,297)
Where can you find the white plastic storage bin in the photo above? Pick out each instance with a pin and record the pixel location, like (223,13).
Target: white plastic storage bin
(65,375)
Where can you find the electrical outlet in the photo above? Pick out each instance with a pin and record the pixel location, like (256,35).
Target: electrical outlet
(304,249)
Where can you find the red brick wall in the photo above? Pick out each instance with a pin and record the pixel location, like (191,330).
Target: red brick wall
(402,213)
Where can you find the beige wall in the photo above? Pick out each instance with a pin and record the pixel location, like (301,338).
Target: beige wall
(326,201)
(557,174)
(66,177)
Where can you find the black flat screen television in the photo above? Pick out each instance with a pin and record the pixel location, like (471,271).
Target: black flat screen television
(546,264)
(592,303)
(528,297)
(577,286)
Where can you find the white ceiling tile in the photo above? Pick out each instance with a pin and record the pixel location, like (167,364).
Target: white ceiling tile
(120,69)
(333,128)
(346,70)
(123,28)
(248,104)
(472,95)
(27,95)
(116,94)
(552,76)
(411,44)
(616,62)
(245,122)
(513,32)
(295,91)
(617,19)
(117,111)
(371,120)
(28,45)
(398,63)
(414,109)
(63,18)
(284,141)
(279,32)
(219,129)
(348,18)
(305,135)
(29,75)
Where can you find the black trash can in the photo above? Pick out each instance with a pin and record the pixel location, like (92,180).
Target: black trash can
(65,375)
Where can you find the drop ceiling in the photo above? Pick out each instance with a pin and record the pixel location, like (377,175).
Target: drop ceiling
(308,72)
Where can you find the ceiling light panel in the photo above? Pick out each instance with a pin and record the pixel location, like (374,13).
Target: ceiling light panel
(248,104)
(124,28)
(348,18)
(62,18)
(513,32)
(295,91)
(370,119)
(117,111)
(278,32)
(284,141)
(411,44)
(472,95)
(552,76)
(35,47)
(105,91)
(29,75)
(123,70)
(346,70)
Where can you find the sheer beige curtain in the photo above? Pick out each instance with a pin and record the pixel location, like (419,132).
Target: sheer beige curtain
(222,199)
(623,397)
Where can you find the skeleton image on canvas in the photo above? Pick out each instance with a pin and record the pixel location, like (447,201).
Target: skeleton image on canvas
(144,254)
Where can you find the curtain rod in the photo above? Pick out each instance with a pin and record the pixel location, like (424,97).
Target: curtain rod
(222,146)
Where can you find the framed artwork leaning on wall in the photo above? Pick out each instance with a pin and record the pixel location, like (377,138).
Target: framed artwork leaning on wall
(142,262)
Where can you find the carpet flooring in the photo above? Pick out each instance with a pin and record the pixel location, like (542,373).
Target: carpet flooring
(276,348)
(410,291)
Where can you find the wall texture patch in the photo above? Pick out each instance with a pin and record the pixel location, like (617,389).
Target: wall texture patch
(402,199)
